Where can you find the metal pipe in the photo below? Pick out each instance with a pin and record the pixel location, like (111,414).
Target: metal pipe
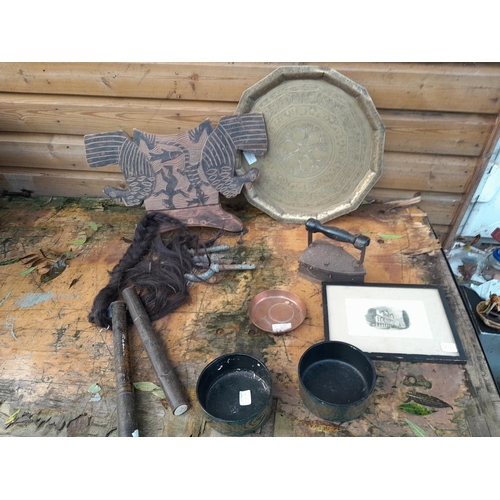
(156,352)
(215,268)
(125,404)
(203,251)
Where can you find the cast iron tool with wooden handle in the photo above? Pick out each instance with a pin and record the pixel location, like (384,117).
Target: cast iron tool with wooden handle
(324,261)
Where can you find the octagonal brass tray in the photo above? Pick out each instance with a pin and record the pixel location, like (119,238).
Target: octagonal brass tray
(326,142)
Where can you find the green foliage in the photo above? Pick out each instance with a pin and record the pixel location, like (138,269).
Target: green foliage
(390,236)
(416,429)
(94,388)
(415,409)
(27,271)
(12,418)
(146,386)
(9,261)
(79,242)
(150,387)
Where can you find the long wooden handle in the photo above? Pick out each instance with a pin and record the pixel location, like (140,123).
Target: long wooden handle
(127,421)
(156,352)
(337,234)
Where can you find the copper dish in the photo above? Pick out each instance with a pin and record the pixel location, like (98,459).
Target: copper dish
(277,311)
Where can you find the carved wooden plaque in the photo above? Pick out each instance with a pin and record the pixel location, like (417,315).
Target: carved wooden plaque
(182,174)
(326,142)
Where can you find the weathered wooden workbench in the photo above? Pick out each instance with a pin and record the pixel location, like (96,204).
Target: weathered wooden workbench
(50,355)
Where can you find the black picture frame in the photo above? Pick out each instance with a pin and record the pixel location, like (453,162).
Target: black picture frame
(392,322)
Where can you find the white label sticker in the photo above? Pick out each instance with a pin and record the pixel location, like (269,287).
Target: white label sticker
(449,347)
(281,327)
(245,398)
(250,157)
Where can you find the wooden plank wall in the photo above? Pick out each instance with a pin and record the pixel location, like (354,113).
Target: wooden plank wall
(442,121)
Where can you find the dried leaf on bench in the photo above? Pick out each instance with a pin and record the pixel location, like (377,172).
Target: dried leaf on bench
(16,259)
(427,400)
(74,282)
(9,261)
(35,261)
(146,386)
(55,270)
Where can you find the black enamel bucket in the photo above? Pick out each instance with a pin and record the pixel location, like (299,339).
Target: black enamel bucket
(234,391)
(336,380)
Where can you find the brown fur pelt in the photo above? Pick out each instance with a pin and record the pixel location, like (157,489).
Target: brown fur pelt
(154,266)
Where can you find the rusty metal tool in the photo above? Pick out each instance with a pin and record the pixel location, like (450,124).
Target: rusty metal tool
(215,264)
(214,249)
(216,268)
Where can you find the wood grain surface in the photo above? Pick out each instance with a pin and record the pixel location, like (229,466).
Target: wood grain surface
(50,355)
(459,87)
(412,132)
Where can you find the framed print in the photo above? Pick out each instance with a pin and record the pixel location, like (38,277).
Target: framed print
(392,322)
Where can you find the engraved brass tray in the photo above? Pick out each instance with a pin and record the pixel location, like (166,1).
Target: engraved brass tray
(326,142)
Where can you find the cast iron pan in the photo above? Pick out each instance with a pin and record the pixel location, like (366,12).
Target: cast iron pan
(336,380)
(234,390)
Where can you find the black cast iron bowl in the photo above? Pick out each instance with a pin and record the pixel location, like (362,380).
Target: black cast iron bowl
(234,391)
(336,380)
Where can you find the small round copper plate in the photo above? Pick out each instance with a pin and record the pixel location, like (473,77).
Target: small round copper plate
(277,311)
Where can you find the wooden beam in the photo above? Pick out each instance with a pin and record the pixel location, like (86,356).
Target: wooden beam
(439,207)
(462,88)
(59,151)
(437,133)
(52,183)
(456,87)
(419,172)
(50,114)
(409,132)
(434,173)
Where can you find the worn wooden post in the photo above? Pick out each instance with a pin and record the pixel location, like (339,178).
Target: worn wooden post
(127,422)
(156,352)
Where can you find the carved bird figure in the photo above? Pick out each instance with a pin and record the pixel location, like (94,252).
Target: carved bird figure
(243,132)
(183,170)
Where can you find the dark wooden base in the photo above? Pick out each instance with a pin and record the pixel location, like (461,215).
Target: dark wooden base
(204,216)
